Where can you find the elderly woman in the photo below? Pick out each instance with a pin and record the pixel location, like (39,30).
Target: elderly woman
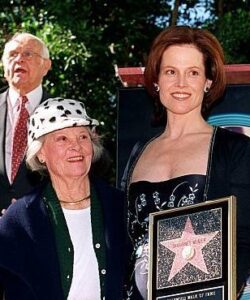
(190,161)
(65,240)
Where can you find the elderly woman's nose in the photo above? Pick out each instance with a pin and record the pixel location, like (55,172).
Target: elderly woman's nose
(75,144)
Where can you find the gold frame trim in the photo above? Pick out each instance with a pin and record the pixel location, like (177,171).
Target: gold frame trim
(231,238)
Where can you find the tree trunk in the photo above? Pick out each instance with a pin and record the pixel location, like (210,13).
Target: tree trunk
(175,12)
(220,8)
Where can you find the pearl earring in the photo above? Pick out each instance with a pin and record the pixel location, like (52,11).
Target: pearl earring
(206,89)
(157,88)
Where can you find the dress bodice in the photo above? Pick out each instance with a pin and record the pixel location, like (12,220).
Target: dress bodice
(147,197)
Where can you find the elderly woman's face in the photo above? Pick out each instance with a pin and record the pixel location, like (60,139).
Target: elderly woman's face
(182,79)
(67,152)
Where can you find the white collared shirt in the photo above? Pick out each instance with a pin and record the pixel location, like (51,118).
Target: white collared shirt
(34,98)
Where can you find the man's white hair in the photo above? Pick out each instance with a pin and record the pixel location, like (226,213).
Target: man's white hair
(45,50)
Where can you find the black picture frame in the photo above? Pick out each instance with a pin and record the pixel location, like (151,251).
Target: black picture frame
(192,252)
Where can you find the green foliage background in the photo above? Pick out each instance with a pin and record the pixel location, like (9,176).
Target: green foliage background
(88,40)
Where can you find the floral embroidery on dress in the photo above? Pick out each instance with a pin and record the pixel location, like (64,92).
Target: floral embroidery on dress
(183,201)
(142,202)
(156,197)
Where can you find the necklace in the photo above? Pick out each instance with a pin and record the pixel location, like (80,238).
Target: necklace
(75,202)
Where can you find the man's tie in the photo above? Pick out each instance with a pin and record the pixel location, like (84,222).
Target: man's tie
(20,138)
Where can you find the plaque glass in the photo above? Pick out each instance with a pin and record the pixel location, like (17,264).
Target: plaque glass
(192,252)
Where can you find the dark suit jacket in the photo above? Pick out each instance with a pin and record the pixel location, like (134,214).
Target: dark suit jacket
(25,180)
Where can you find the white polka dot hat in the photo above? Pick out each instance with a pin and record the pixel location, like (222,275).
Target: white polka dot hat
(57,113)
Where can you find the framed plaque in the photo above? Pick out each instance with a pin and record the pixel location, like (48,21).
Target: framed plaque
(192,252)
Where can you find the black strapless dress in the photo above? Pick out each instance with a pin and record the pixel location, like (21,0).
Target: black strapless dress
(147,197)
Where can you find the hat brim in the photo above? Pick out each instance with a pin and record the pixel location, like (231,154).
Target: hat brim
(67,123)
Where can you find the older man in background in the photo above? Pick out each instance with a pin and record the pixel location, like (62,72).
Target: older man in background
(26,61)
